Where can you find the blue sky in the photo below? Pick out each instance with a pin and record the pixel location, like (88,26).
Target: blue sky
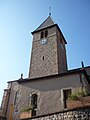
(18,18)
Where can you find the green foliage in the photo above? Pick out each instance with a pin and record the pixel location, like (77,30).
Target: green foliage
(73,96)
(27,109)
(77,95)
(81,94)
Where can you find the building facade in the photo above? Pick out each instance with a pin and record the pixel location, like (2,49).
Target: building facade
(49,83)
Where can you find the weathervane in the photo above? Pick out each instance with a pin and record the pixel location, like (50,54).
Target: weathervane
(49,11)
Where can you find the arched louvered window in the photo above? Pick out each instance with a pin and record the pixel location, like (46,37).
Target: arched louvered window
(42,34)
(46,33)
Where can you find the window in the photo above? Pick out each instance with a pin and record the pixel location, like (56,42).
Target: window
(42,34)
(17,94)
(46,33)
(16,108)
(43,58)
(66,94)
(33,112)
(34,100)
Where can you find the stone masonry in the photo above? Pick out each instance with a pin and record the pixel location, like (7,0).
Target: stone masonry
(77,114)
(50,58)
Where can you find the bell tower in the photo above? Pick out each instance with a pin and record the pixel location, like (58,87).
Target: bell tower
(48,56)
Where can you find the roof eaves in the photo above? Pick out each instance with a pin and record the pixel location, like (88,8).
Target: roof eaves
(69,72)
(56,75)
(42,29)
(61,33)
(17,80)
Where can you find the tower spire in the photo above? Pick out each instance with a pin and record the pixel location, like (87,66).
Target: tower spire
(49,11)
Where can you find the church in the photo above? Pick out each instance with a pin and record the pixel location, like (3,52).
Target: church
(49,83)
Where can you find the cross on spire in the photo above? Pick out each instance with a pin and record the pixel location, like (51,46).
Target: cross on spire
(49,11)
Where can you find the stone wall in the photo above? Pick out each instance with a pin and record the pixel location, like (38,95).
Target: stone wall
(75,114)
(44,56)
(49,58)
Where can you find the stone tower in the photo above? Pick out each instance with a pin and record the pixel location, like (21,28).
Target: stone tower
(48,56)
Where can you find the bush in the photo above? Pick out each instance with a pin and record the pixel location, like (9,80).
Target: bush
(81,94)
(77,95)
(27,109)
(73,96)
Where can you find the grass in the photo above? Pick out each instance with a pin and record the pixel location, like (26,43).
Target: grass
(77,95)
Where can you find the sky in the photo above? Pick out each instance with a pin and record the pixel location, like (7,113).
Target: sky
(18,18)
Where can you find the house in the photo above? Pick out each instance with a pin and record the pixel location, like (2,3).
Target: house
(49,83)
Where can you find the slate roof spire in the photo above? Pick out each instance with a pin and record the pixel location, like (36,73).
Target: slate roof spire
(47,23)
